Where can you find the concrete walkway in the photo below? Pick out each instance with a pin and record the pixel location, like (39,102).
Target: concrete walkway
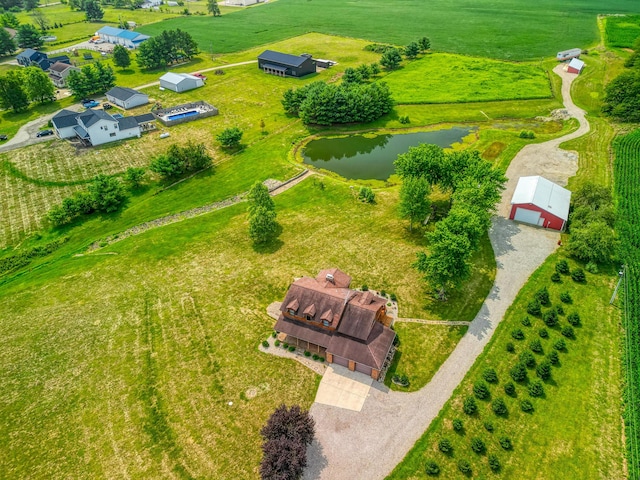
(370,443)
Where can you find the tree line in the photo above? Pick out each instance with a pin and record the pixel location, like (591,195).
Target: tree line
(18,88)
(475,186)
(622,95)
(92,79)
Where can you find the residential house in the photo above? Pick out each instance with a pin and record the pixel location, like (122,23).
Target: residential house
(94,127)
(118,36)
(34,58)
(538,201)
(283,64)
(350,327)
(127,97)
(180,82)
(58,73)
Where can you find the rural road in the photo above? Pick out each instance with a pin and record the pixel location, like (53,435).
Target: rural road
(370,443)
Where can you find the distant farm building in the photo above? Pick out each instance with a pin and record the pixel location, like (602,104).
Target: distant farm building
(127,97)
(151,3)
(58,73)
(568,54)
(242,3)
(285,65)
(180,82)
(538,201)
(575,66)
(118,36)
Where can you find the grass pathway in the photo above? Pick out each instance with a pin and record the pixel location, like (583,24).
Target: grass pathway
(349,444)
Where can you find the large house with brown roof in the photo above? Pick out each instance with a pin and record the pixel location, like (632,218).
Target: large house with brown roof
(350,327)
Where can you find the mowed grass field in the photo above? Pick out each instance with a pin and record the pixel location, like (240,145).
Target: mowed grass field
(509,29)
(622,31)
(123,364)
(429,80)
(575,429)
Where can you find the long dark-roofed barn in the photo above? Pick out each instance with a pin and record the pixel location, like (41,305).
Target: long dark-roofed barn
(350,327)
(286,65)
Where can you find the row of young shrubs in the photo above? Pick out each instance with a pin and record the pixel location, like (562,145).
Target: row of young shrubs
(519,373)
(13,262)
(292,348)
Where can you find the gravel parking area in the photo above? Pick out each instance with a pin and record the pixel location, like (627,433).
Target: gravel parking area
(370,443)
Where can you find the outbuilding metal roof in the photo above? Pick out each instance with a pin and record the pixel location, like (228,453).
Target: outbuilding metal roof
(544,194)
(577,64)
(282,58)
(123,93)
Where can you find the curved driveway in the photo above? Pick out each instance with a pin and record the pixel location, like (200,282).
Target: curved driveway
(370,443)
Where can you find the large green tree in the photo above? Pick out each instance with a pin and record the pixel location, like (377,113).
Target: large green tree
(168,47)
(263,226)
(28,36)
(179,160)
(414,199)
(12,94)
(622,97)
(230,137)
(91,80)
(592,242)
(391,59)
(7,44)
(10,20)
(92,10)
(107,193)
(37,85)
(121,56)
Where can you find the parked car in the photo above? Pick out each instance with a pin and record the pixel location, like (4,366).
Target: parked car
(44,133)
(106,106)
(90,104)
(199,75)
(3,137)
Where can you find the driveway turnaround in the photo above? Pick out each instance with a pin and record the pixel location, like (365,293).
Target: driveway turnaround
(368,444)
(342,388)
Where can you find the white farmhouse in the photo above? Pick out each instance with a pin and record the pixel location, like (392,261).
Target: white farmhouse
(94,127)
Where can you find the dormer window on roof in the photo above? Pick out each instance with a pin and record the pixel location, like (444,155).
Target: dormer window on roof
(293,306)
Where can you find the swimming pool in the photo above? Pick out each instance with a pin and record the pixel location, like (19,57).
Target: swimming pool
(177,116)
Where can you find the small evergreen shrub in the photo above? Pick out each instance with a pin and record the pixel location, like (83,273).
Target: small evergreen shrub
(510,348)
(510,389)
(321,359)
(307,353)
(488,426)
(543,333)
(536,389)
(458,426)
(274,334)
(578,276)
(526,322)
(542,296)
(431,468)
(277,343)
(383,293)
(470,407)
(560,345)
(404,119)
(527,359)
(292,348)
(574,319)
(535,346)
(478,446)
(565,297)
(366,195)
(365,288)
(559,310)
(518,373)
(526,406)
(499,407)
(444,445)
(481,390)
(568,332)
(555,278)
(490,375)
(393,297)
(494,463)
(315,356)
(464,466)
(544,369)
(505,443)
(562,267)
(517,334)
(553,357)
(285,345)
(550,318)
(534,308)
(265,344)
(591,268)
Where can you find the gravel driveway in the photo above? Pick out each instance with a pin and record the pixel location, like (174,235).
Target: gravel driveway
(370,443)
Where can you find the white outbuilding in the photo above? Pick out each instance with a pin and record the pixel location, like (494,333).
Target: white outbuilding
(180,82)
(538,201)
(127,97)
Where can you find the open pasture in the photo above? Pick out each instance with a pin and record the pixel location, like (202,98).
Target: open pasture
(127,364)
(446,78)
(622,31)
(509,29)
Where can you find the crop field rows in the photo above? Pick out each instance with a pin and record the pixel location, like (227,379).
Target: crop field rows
(627,171)
(622,32)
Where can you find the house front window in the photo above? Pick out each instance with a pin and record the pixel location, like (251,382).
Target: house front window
(112,134)
(291,311)
(325,323)
(309,317)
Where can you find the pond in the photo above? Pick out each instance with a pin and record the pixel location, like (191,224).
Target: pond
(371,157)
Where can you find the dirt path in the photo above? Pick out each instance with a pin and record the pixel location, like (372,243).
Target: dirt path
(451,323)
(370,443)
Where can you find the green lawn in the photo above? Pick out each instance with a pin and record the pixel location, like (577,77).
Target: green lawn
(128,362)
(575,430)
(429,80)
(509,29)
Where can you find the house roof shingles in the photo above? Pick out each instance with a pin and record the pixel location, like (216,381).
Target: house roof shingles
(123,93)
(64,119)
(125,123)
(282,58)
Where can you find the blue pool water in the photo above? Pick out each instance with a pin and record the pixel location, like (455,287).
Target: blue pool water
(177,116)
